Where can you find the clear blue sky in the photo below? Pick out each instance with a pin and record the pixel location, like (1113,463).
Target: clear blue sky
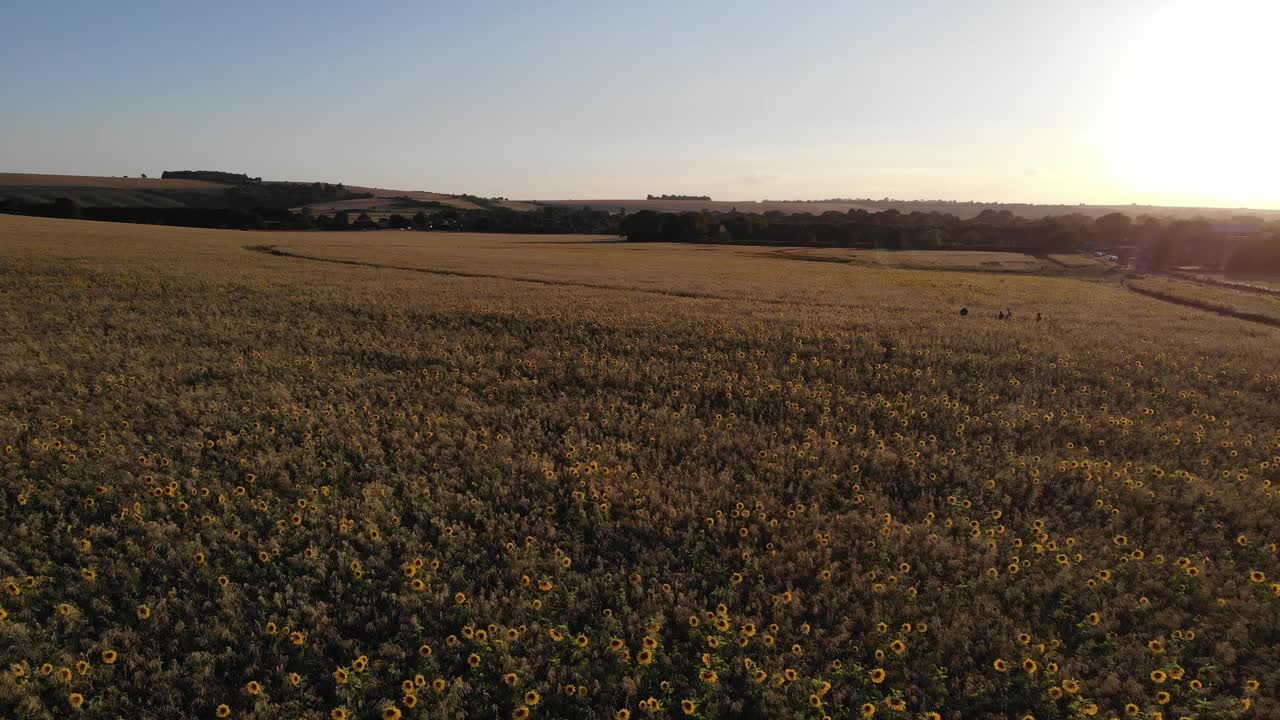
(1018,100)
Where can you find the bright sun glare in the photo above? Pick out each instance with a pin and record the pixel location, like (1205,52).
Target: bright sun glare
(1193,114)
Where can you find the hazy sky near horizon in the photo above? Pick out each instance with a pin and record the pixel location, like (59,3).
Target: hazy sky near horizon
(1149,101)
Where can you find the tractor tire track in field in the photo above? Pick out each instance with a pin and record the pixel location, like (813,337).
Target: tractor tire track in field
(1207,307)
(273,250)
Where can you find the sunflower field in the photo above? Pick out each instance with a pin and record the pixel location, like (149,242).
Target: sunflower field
(475,477)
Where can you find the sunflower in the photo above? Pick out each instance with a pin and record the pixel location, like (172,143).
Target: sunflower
(253,687)
(868,709)
(223,711)
(896,704)
(297,638)
(1163,697)
(644,657)
(424,650)
(878,675)
(391,713)
(1132,710)
(1000,665)
(761,676)
(520,713)
(1030,665)
(1158,676)
(341,676)
(898,647)
(439,685)
(473,660)
(360,663)
(581,640)
(623,714)
(337,714)
(532,698)
(409,700)
(109,656)
(688,707)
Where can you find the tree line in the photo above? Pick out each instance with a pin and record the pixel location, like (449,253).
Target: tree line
(1245,245)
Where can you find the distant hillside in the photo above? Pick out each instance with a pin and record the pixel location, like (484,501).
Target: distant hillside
(679,205)
(963,210)
(218,189)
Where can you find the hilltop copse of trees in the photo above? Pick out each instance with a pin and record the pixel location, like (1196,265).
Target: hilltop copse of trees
(704,198)
(217,176)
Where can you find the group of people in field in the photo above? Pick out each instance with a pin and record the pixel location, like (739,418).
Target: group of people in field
(1006,314)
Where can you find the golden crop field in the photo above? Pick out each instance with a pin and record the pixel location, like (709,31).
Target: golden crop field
(415,475)
(1265,307)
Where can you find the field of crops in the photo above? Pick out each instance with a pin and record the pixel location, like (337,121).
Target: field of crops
(1265,308)
(408,475)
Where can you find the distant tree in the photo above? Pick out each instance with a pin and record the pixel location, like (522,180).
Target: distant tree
(643,226)
(67,208)
(1113,228)
(1160,253)
(685,227)
(1257,256)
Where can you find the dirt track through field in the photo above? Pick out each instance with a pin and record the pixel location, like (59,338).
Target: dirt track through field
(273,250)
(1215,309)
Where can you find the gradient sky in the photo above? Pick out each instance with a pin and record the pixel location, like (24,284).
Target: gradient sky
(1160,101)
